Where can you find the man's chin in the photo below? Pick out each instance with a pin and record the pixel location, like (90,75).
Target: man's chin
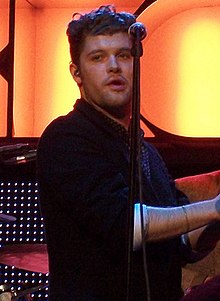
(118,112)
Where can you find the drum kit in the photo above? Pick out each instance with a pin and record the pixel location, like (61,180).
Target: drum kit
(30,257)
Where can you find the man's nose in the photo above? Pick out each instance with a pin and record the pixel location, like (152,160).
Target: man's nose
(113,64)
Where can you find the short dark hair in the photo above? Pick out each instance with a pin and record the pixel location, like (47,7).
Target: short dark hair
(102,21)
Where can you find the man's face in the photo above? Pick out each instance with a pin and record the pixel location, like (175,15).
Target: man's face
(105,75)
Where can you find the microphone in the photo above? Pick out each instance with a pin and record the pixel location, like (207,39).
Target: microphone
(24,158)
(137,30)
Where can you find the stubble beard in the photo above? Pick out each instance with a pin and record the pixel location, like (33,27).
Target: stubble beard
(116,109)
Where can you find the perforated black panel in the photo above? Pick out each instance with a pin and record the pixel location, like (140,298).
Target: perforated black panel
(20,199)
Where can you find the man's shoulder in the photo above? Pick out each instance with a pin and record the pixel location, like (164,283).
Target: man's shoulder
(57,125)
(65,122)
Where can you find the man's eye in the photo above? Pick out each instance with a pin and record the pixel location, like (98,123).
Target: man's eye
(97,57)
(124,55)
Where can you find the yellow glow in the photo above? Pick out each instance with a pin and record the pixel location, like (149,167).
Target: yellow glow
(181,71)
(66,91)
(55,89)
(24,73)
(199,84)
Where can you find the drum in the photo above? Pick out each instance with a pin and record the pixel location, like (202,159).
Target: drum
(5,296)
(8,293)
(5,292)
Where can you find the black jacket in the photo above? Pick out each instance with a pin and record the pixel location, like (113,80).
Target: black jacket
(83,167)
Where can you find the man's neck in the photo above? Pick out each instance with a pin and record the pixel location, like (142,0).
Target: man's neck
(124,120)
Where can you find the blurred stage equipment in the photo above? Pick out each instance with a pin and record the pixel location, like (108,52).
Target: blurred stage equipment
(17,153)
(31,257)
(5,218)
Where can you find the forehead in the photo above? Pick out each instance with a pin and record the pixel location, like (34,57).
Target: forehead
(107,43)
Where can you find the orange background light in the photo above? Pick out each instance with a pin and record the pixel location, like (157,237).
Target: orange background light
(43,86)
(181,67)
(4,16)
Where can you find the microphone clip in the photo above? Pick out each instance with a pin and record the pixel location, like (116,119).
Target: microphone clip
(138,32)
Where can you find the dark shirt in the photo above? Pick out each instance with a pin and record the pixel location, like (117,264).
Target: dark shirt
(83,175)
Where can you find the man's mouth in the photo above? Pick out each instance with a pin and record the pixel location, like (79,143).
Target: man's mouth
(116,84)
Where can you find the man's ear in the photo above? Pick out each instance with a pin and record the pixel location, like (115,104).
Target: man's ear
(75,73)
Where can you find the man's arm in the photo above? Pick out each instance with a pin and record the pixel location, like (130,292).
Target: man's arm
(168,222)
(165,223)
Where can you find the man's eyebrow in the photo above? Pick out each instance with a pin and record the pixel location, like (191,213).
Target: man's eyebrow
(125,48)
(94,51)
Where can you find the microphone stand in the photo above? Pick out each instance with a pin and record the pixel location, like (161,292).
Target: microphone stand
(136,52)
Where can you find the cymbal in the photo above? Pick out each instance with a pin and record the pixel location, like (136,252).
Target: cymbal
(30,257)
(5,218)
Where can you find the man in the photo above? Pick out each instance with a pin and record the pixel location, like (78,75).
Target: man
(83,172)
